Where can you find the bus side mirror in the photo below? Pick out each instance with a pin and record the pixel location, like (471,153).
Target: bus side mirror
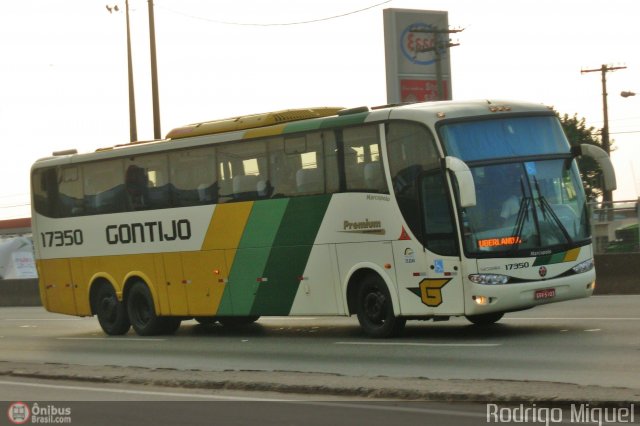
(604,161)
(464,179)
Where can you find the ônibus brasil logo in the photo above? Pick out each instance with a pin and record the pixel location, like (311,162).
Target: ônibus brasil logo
(19,413)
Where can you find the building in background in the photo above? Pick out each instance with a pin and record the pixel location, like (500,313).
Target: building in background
(16,250)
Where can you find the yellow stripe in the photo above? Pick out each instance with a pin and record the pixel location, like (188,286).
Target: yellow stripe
(227,226)
(264,131)
(571,255)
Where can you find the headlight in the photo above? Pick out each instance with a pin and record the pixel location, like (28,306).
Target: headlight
(489,279)
(585,266)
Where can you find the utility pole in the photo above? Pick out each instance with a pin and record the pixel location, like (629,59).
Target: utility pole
(154,74)
(437,48)
(133,128)
(607,197)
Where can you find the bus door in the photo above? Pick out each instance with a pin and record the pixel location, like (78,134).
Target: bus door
(429,270)
(194,281)
(79,286)
(58,286)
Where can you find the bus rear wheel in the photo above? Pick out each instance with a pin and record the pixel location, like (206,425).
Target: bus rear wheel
(142,313)
(375,309)
(485,319)
(112,314)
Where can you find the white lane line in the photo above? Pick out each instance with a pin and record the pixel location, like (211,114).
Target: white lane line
(42,319)
(458,345)
(120,339)
(382,407)
(287,319)
(137,392)
(571,319)
(355,405)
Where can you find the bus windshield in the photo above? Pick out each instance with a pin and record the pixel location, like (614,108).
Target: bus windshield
(522,205)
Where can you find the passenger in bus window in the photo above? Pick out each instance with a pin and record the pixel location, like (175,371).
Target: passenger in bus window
(137,186)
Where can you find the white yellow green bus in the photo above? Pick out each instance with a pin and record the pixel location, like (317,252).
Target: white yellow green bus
(409,212)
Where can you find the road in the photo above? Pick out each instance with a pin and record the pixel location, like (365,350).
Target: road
(321,370)
(592,341)
(103,405)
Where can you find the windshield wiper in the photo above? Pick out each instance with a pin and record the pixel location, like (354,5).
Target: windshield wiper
(521,218)
(547,211)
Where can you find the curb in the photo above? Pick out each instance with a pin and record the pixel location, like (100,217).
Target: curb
(324,386)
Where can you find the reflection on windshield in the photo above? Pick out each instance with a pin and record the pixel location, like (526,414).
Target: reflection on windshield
(525,206)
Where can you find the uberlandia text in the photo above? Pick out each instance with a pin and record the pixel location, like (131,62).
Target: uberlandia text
(578,413)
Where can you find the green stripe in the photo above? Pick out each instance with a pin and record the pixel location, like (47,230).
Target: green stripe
(550,259)
(252,256)
(325,123)
(346,120)
(303,126)
(289,257)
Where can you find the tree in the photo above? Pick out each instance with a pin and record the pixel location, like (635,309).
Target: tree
(578,133)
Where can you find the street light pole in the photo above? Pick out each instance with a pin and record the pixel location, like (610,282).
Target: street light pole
(133,128)
(154,74)
(607,196)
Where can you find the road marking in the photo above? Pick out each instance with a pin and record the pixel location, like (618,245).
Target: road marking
(121,339)
(137,392)
(287,319)
(593,329)
(381,407)
(571,319)
(42,319)
(462,345)
(364,406)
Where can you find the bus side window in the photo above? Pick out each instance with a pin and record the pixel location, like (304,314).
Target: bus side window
(45,191)
(104,187)
(193,177)
(282,169)
(70,196)
(440,235)
(362,162)
(330,160)
(410,150)
(243,166)
(147,182)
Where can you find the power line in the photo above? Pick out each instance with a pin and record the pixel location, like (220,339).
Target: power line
(273,24)
(630,131)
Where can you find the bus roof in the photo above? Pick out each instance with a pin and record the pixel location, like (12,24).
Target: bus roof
(296,120)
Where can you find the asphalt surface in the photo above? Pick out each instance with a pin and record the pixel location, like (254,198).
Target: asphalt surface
(586,350)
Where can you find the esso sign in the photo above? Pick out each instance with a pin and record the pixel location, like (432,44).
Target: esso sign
(415,39)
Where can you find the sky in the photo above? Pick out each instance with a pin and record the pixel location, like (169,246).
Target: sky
(63,69)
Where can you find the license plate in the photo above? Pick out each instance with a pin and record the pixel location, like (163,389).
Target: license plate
(547,293)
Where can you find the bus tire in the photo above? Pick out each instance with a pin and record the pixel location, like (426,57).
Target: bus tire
(485,319)
(142,313)
(375,309)
(112,314)
(239,321)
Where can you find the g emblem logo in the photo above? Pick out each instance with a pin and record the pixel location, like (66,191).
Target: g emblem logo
(542,271)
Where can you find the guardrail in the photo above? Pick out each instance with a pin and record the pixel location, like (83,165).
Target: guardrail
(614,227)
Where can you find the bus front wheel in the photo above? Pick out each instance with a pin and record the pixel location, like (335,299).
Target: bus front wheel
(375,309)
(112,314)
(142,313)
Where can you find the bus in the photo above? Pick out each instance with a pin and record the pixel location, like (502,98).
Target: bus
(395,213)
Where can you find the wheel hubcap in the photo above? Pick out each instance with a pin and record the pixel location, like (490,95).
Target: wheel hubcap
(109,307)
(374,306)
